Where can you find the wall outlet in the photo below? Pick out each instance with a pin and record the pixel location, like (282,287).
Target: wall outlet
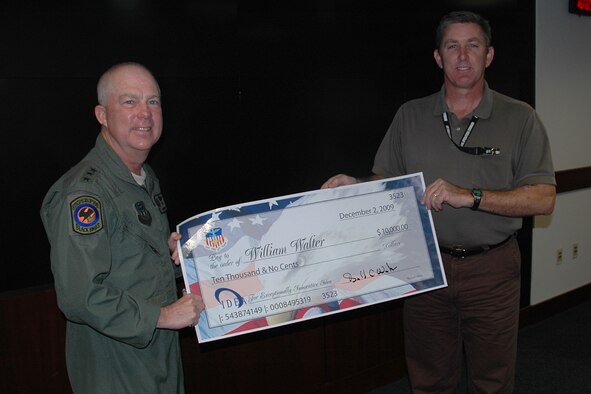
(575,253)
(559,256)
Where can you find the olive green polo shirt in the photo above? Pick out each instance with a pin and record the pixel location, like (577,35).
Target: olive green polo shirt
(417,141)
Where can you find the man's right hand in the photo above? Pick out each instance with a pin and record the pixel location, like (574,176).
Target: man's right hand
(182,313)
(339,180)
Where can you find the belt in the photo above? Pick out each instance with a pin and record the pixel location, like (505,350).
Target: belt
(460,252)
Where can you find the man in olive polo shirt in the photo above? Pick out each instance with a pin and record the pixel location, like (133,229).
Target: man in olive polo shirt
(486,162)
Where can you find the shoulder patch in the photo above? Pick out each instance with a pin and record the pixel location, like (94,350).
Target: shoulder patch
(87,217)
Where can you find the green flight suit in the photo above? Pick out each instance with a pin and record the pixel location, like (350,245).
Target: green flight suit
(113,272)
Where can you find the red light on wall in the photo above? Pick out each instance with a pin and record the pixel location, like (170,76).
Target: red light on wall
(580,7)
(584,5)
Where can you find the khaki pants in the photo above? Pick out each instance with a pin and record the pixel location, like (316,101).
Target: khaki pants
(476,315)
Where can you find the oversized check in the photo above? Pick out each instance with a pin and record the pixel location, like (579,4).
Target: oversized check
(283,260)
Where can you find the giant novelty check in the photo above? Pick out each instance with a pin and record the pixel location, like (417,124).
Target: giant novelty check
(280,261)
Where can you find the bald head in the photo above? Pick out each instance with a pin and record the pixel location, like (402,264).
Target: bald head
(105,84)
(129,112)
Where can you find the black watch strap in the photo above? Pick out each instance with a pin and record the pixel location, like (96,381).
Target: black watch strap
(477,195)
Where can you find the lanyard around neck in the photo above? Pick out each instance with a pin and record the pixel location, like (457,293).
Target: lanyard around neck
(474,150)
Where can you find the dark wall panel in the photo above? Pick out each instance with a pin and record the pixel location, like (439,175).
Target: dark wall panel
(261,99)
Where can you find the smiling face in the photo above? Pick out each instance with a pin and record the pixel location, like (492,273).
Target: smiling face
(463,56)
(130,113)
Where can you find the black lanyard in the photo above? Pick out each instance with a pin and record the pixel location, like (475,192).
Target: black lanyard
(473,150)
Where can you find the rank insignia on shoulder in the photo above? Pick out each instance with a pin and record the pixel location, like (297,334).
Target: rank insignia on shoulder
(89,174)
(87,217)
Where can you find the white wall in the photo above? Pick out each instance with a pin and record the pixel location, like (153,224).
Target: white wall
(563,100)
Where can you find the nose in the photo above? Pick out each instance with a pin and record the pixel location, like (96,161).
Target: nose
(463,53)
(144,111)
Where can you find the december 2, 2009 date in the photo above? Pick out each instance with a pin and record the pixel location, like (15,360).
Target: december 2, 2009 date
(388,206)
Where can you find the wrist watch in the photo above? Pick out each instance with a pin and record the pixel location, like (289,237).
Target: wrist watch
(477,195)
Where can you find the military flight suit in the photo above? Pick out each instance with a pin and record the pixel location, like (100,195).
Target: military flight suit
(113,272)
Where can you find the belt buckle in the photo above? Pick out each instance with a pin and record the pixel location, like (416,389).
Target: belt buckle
(458,252)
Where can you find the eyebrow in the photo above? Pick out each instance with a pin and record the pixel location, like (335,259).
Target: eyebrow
(471,39)
(135,96)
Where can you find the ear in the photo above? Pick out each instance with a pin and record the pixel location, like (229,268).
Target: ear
(490,55)
(100,112)
(437,57)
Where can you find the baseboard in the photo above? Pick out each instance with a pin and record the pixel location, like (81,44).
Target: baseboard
(535,313)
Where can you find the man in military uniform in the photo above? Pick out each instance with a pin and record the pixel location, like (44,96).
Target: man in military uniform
(111,250)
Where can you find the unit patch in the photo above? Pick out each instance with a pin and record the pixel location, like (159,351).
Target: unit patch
(87,217)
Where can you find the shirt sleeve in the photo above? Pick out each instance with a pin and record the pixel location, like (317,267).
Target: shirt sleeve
(80,264)
(388,161)
(535,161)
